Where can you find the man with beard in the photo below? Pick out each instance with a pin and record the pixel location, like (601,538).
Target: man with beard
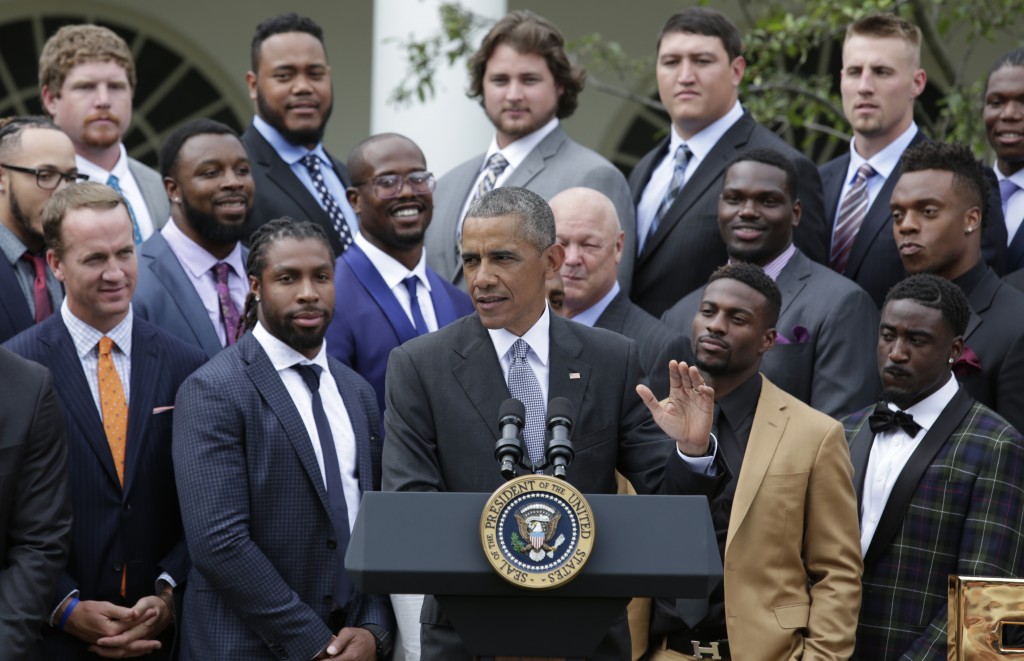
(192,272)
(782,499)
(36,159)
(937,475)
(274,444)
(86,81)
(827,324)
(290,85)
(116,376)
(388,292)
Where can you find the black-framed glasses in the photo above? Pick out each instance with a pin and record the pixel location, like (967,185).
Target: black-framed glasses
(47,178)
(388,186)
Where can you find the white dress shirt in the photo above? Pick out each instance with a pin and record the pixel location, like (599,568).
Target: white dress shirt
(283,357)
(86,340)
(394,274)
(539,339)
(890,452)
(129,188)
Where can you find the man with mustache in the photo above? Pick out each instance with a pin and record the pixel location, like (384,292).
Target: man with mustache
(36,159)
(938,477)
(939,214)
(290,85)
(781,499)
(827,324)
(86,81)
(274,444)
(587,227)
(192,272)
(526,84)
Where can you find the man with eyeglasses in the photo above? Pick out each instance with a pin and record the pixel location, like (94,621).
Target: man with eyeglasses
(385,289)
(36,159)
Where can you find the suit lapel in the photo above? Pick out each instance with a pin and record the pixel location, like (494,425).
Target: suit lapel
(832,185)
(444,308)
(792,281)
(536,160)
(981,298)
(360,427)
(906,483)
(860,451)
(568,375)
(12,300)
(614,316)
(151,192)
(766,431)
(145,360)
(479,372)
(282,176)
(367,274)
(267,381)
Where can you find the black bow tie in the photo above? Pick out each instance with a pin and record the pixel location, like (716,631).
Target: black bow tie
(885,419)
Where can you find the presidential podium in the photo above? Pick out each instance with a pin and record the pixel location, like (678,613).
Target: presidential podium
(429,543)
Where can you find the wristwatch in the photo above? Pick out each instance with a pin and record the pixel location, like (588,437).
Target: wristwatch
(383,638)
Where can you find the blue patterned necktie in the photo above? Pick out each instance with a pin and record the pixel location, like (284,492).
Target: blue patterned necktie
(115,183)
(335,492)
(682,159)
(418,322)
(523,385)
(1006,190)
(330,205)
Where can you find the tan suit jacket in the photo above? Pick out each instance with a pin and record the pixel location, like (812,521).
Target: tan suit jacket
(794,517)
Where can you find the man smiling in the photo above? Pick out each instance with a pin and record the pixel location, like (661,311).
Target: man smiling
(192,273)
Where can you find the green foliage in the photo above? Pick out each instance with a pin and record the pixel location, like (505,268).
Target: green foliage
(518,545)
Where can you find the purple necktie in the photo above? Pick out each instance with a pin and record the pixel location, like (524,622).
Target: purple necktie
(39,291)
(1006,190)
(228,311)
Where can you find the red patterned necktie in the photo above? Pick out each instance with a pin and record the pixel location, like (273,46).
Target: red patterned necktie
(39,291)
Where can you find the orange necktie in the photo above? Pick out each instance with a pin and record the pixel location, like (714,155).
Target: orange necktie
(115,416)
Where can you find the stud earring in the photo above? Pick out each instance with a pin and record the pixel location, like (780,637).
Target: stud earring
(258,300)
(951,360)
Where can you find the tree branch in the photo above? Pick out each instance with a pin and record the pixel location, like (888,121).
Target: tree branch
(935,44)
(624,94)
(799,91)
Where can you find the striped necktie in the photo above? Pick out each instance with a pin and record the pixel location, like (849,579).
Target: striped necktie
(851,215)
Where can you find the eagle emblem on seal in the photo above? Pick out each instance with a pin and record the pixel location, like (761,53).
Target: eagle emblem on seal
(537,526)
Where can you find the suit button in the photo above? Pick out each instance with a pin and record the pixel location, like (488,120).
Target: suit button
(332,544)
(118,566)
(328,599)
(127,507)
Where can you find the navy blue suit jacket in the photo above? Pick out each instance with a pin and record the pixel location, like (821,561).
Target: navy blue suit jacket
(138,525)
(15,315)
(166,297)
(256,513)
(369,322)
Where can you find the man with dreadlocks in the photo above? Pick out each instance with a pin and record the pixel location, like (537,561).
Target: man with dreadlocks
(275,442)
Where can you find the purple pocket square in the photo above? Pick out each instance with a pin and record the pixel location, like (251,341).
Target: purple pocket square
(800,335)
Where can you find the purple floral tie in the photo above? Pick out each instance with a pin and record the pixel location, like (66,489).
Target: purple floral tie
(228,311)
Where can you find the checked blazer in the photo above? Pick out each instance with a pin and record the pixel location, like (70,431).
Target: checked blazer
(256,513)
(956,508)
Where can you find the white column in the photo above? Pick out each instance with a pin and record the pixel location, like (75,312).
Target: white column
(448,128)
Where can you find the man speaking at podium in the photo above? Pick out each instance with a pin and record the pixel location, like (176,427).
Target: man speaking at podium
(443,390)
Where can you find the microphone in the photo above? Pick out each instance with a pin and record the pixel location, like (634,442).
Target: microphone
(508,451)
(560,452)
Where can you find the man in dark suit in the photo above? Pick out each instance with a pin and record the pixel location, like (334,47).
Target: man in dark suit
(1004,124)
(192,273)
(116,377)
(676,185)
(590,234)
(392,194)
(827,326)
(290,85)
(938,218)
(87,79)
(444,389)
(38,159)
(937,475)
(526,83)
(35,504)
(274,443)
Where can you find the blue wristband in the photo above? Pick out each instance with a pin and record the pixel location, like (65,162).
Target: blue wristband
(67,613)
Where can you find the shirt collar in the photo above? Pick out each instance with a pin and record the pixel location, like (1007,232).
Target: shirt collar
(742,401)
(927,411)
(284,357)
(702,142)
(517,152)
(194,257)
(885,161)
(1017,177)
(773,268)
(391,270)
(86,337)
(538,337)
(590,316)
(100,175)
(289,153)
(11,245)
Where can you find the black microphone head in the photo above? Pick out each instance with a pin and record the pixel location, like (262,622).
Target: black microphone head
(514,409)
(560,407)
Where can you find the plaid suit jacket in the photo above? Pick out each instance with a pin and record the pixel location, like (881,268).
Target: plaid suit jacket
(957,508)
(255,510)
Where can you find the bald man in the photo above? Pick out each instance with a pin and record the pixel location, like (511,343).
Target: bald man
(587,226)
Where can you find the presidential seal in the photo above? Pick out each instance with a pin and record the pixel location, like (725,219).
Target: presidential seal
(537,531)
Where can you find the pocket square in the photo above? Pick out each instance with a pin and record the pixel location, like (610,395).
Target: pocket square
(968,363)
(161,409)
(800,335)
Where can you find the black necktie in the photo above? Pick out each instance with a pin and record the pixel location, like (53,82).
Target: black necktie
(335,493)
(885,419)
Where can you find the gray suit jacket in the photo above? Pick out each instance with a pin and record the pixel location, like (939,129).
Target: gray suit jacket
(657,342)
(558,162)
(165,297)
(828,332)
(687,245)
(152,186)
